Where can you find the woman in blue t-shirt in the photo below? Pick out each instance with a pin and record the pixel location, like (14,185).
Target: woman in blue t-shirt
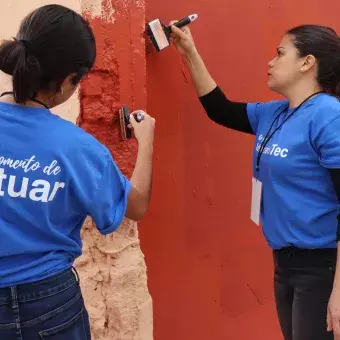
(296,164)
(52,176)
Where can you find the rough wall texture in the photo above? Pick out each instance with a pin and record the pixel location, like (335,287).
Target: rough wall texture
(210,271)
(113,276)
(113,268)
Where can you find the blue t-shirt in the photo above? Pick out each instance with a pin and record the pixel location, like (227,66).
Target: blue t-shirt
(299,203)
(52,176)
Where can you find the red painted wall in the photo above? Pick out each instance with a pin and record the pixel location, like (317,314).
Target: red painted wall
(210,271)
(118,78)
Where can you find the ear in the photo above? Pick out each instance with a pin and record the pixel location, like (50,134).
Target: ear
(309,62)
(68,83)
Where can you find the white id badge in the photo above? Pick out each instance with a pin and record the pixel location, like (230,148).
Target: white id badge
(256,197)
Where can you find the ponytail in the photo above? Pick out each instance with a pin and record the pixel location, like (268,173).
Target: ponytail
(17,60)
(329,78)
(53,42)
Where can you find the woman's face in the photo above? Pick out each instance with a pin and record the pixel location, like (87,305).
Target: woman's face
(285,69)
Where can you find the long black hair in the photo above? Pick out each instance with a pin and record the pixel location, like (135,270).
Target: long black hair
(53,42)
(324,44)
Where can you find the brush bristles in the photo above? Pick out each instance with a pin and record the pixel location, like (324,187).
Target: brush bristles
(158,34)
(122,124)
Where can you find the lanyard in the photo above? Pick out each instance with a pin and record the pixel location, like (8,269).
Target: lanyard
(270,135)
(31,99)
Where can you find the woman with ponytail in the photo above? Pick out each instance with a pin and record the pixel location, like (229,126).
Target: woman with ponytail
(52,176)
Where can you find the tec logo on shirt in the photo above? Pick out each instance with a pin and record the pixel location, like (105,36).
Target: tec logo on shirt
(271,149)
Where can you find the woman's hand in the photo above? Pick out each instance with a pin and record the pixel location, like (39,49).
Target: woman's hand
(182,39)
(333,313)
(144,131)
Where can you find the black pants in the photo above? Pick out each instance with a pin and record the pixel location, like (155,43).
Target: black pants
(303,283)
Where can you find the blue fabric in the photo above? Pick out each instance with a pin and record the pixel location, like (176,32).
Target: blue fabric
(50,309)
(52,176)
(299,203)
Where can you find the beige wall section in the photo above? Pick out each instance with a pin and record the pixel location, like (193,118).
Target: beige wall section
(112,268)
(114,282)
(11,12)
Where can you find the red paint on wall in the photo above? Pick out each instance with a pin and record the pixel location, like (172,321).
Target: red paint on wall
(118,78)
(210,270)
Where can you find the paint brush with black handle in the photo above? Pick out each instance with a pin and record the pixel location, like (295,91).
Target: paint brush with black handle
(124,120)
(160,33)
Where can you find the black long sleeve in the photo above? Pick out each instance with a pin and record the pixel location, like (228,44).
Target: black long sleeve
(225,112)
(335,175)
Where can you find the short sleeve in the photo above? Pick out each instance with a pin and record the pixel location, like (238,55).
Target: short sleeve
(264,112)
(254,111)
(328,144)
(110,202)
(101,188)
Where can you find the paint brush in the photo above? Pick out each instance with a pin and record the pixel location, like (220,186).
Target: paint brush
(160,33)
(124,120)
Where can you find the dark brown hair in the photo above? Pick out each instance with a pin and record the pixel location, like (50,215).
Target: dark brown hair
(53,42)
(324,44)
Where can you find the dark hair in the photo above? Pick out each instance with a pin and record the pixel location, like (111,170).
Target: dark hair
(53,42)
(324,44)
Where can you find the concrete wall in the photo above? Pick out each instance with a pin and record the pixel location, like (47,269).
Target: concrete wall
(112,268)
(210,271)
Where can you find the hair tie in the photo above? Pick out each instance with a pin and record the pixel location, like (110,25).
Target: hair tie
(26,44)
